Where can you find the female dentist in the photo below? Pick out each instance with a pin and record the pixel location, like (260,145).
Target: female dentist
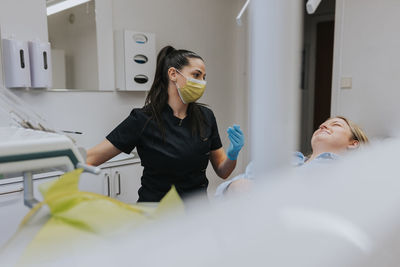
(175,137)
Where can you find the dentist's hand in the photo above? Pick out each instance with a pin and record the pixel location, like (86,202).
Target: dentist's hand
(236,137)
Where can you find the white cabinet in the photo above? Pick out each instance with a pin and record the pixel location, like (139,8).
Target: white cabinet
(98,184)
(12,208)
(122,182)
(119,180)
(125,182)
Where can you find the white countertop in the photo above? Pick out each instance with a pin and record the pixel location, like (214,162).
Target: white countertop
(121,159)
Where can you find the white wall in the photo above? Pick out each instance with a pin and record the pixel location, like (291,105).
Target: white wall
(367,43)
(26,19)
(78,39)
(206,27)
(23,19)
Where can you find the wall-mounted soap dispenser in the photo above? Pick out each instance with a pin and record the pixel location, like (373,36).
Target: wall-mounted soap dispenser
(40,62)
(135,60)
(16,63)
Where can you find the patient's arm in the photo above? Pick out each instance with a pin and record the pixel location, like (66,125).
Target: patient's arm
(241,183)
(239,186)
(101,153)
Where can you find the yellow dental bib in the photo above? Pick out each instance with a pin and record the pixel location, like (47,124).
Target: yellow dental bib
(81,220)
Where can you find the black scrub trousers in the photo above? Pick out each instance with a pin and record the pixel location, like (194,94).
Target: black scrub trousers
(178,159)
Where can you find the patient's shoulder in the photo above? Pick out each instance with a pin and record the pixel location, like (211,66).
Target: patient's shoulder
(298,158)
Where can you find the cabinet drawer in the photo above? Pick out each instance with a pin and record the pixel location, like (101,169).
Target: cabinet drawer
(12,208)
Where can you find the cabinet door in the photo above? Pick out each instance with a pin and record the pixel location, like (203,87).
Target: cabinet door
(126,182)
(12,208)
(37,183)
(99,184)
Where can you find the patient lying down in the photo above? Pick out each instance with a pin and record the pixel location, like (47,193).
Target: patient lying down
(333,138)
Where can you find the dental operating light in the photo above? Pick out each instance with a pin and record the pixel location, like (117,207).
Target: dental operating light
(312,6)
(61,6)
(239,16)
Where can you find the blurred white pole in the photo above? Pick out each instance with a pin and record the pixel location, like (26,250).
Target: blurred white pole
(275,50)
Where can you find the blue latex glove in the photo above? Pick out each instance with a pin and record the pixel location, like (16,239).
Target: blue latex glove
(236,137)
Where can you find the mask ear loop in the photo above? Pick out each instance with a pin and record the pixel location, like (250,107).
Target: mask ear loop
(176,82)
(181,74)
(177,87)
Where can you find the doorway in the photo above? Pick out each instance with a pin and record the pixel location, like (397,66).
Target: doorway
(323,72)
(318,42)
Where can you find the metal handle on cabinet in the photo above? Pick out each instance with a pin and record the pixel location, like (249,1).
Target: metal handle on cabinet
(119,182)
(11,192)
(108,184)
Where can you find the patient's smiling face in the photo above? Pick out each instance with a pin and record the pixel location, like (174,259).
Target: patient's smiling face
(334,135)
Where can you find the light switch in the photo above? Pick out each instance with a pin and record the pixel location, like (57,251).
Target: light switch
(346,83)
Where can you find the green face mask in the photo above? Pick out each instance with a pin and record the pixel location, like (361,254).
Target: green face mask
(192,90)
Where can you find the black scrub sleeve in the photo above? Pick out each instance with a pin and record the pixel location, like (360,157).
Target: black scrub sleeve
(215,139)
(126,135)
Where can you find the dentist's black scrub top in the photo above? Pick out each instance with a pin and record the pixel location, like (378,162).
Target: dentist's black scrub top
(179,159)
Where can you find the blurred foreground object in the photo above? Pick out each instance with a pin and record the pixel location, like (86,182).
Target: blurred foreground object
(77,221)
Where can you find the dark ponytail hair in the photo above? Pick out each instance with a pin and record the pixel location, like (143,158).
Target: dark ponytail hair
(157,98)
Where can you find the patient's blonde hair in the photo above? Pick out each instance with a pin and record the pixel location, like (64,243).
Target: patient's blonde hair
(357,132)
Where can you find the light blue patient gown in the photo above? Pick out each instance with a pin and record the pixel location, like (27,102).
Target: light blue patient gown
(298,160)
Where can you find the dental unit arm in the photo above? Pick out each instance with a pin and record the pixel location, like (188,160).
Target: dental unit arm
(28,145)
(25,152)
